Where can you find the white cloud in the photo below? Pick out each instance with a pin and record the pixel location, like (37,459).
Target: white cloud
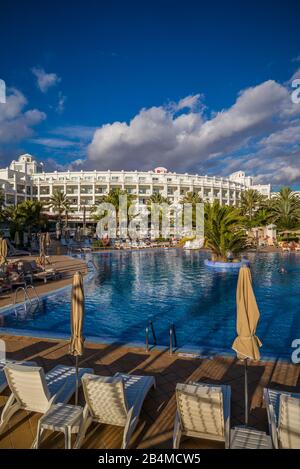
(191,142)
(189,102)
(76,132)
(54,142)
(45,80)
(15,122)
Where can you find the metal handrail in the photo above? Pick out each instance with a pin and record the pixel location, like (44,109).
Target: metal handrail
(25,295)
(150,326)
(173,340)
(34,291)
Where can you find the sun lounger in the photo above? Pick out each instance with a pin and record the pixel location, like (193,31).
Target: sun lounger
(35,391)
(47,274)
(203,411)
(283,410)
(114,400)
(3,363)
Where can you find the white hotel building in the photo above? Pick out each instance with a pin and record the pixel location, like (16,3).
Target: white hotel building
(26,179)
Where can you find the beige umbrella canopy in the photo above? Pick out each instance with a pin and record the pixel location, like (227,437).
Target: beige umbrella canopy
(246,344)
(77,318)
(42,257)
(3,251)
(77,315)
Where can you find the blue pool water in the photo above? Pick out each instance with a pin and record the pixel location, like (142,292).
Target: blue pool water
(174,286)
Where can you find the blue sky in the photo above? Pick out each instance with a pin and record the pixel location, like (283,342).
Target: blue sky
(190,85)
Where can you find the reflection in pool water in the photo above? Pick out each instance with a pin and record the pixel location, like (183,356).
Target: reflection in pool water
(175,287)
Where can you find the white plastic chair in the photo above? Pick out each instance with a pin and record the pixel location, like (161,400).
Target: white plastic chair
(203,411)
(283,409)
(35,391)
(113,400)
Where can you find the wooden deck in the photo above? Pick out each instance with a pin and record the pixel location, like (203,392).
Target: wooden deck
(156,424)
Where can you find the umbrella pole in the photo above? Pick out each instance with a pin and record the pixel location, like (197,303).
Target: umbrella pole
(76,390)
(246,390)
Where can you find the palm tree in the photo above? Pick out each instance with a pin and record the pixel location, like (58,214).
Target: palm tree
(285,209)
(29,214)
(60,204)
(251,201)
(11,216)
(262,217)
(157,198)
(224,230)
(2,201)
(191,198)
(2,198)
(113,197)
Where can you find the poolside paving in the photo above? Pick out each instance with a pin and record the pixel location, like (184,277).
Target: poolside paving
(156,424)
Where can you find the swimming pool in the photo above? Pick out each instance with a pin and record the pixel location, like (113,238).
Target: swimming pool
(173,286)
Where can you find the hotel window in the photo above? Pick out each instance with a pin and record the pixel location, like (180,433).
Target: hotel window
(86,190)
(73,201)
(44,190)
(58,189)
(72,189)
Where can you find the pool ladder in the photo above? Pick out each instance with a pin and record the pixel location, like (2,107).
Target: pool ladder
(173,339)
(26,295)
(150,327)
(172,336)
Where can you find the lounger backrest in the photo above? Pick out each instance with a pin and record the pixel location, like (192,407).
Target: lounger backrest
(105,398)
(289,422)
(29,387)
(200,409)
